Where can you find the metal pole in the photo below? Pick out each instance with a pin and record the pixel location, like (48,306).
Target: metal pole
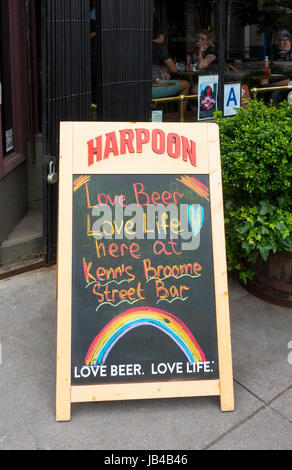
(181,102)
(182,108)
(256,91)
(222,28)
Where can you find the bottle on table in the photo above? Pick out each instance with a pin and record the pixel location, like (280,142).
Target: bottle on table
(197,51)
(188,63)
(267,69)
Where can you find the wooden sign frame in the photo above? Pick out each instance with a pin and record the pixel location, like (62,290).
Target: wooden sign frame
(74,138)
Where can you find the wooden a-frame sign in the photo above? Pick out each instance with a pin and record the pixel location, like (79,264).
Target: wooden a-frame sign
(143,309)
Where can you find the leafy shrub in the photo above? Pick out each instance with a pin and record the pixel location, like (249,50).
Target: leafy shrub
(256,148)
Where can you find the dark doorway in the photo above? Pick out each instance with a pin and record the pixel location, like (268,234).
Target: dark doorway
(122,64)
(66,89)
(116,66)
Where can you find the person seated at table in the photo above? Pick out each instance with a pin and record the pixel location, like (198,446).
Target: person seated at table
(205,51)
(282,52)
(283,46)
(162,67)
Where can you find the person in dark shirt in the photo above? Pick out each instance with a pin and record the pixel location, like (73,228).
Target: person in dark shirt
(282,52)
(283,49)
(205,50)
(162,67)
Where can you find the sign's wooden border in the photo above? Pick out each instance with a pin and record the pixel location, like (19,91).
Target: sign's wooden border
(73,146)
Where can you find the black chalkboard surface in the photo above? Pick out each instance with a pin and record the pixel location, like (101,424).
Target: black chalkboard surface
(143,300)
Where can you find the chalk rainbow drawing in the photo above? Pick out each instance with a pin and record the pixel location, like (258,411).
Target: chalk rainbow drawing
(134,318)
(79,182)
(195,185)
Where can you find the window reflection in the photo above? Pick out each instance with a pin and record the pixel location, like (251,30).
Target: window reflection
(5,80)
(257,32)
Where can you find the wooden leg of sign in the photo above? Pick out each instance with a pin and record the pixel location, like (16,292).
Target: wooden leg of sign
(63,389)
(64,289)
(225,361)
(220,273)
(63,403)
(57,279)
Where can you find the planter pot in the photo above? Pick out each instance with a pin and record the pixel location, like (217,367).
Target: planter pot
(273,279)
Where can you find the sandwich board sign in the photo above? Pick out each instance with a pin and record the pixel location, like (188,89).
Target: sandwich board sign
(143,307)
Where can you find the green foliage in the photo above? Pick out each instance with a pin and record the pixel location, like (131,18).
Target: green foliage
(256,148)
(274,15)
(257,230)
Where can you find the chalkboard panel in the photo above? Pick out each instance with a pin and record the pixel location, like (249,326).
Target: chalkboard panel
(154,305)
(142,287)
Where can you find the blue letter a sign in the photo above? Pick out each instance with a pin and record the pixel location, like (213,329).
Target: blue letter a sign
(231,98)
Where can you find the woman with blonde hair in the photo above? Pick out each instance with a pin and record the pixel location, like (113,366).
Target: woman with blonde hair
(205,50)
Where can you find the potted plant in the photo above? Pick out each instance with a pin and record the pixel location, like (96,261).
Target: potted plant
(256,148)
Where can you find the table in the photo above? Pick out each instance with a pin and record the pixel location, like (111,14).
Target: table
(159,84)
(274,76)
(194,73)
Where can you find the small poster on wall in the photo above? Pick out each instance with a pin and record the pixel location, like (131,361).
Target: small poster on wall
(289,98)
(157,115)
(9,140)
(208,94)
(245,96)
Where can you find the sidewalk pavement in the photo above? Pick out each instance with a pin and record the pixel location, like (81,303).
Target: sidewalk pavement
(261,334)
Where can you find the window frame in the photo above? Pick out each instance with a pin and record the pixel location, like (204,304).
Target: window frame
(19,82)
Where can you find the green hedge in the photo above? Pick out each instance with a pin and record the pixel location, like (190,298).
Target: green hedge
(256,148)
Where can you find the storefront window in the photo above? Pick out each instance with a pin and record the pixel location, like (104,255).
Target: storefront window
(5,79)
(257,43)
(185,48)
(261,50)
(14,91)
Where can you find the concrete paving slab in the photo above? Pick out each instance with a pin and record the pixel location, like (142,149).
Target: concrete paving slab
(27,386)
(283,405)
(236,291)
(28,324)
(29,227)
(25,241)
(28,415)
(260,336)
(265,431)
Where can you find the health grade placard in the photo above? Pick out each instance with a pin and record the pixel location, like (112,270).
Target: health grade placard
(143,307)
